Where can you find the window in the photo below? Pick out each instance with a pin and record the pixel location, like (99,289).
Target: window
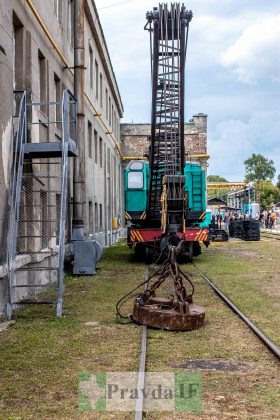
(90,216)
(109,110)
(136,166)
(100,151)
(57,98)
(106,99)
(101,89)
(18,53)
(135,180)
(100,217)
(42,80)
(96,216)
(96,79)
(70,20)
(95,145)
(89,140)
(90,67)
(112,116)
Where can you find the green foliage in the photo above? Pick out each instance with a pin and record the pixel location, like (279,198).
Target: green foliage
(278,182)
(258,168)
(219,193)
(216,178)
(268,194)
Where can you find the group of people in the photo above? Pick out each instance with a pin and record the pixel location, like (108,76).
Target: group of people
(268,219)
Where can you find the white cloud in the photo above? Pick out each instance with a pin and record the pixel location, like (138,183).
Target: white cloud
(228,45)
(255,55)
(234,141)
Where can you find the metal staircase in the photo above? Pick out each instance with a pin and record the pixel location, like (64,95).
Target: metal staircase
(38,199)
(168,50)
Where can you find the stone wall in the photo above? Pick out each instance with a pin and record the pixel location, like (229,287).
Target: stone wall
(135,143)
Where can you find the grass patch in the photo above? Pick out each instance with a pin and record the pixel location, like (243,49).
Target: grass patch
(41,356)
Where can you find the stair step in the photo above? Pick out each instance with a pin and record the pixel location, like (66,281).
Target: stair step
(48,150)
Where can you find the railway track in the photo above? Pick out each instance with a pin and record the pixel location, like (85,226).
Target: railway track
(139,407)
(271,236)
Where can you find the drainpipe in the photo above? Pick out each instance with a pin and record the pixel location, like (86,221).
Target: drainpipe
(79,162)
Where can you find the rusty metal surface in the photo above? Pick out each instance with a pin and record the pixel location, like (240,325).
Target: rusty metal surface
(158,316)
(177,312)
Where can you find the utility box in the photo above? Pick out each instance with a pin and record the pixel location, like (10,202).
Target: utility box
(87,253)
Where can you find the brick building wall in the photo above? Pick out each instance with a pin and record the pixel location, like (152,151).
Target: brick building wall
(135,143)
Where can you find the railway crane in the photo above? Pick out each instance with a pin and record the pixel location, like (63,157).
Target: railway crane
(166,197)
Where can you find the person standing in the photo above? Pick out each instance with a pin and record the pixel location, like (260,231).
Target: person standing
(272,220)
(226,220)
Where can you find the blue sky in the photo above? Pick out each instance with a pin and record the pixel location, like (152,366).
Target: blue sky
(232,73)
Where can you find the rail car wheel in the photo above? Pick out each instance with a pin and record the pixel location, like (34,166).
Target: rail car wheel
(196,248)
(188,254)
(139,251)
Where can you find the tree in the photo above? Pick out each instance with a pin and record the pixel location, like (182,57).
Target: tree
(219,193)
(258,168)
(268,194)
(278,182)
(216,178)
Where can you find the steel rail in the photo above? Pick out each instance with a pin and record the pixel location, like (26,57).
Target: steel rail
(269,344)
(272,236)
(142,365)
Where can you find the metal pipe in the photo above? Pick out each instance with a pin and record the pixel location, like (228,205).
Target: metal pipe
(201,156)
(79,65)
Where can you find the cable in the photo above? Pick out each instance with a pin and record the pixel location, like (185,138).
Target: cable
(114,5)
(130,294)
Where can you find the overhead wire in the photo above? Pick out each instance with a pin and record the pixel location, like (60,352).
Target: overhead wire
(115,4)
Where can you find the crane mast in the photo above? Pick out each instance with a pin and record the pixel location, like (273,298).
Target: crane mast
(169,31)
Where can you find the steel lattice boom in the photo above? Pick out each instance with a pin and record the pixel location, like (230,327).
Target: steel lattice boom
(169,29)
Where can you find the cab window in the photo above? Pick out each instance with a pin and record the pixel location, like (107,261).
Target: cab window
(136,166)
(135,180)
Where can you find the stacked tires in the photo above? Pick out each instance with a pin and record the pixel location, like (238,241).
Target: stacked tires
(248,230)
(251,230)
